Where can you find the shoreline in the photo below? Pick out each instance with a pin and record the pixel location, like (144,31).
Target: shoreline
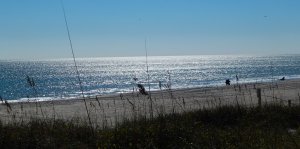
(112,95)
(109,109)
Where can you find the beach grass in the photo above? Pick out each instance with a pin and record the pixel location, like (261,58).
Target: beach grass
(271,126)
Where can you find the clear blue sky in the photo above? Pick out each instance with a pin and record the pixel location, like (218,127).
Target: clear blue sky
(35,29)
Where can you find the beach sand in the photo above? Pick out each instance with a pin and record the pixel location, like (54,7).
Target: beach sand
(106,110)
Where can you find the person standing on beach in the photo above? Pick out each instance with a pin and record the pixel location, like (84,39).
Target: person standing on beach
(159,84)
(227,82)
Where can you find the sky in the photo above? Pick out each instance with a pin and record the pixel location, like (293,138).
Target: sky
(35,29)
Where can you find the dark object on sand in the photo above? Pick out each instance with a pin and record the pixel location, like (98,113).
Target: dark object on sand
(227,82)
(142,90)
(159,84)
(283,78)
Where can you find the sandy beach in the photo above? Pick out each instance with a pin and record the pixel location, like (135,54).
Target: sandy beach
(106,110)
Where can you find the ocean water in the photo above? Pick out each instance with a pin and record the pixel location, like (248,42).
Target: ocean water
(56,79)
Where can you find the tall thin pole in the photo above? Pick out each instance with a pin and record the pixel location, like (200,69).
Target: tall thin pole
(146,50)
(74,59)
(148,78)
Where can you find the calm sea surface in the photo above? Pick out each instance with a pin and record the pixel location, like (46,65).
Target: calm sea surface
(57,78)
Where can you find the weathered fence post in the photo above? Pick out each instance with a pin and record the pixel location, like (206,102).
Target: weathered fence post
(258,93)
(299,98)
(290,103)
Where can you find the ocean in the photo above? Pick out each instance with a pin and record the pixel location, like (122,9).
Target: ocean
(56,79)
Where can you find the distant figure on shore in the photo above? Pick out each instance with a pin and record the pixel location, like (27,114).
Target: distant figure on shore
(227,82)
(159,84)
(283,78)
(142,90)
(237,78)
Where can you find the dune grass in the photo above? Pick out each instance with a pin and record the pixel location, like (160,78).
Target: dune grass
(271,126)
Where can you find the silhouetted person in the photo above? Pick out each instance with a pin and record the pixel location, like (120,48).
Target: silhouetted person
(227,82)
(142,90)
(159,84)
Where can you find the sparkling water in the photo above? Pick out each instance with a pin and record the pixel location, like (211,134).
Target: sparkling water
(56,79)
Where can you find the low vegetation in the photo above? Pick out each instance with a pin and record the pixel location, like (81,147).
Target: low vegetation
(271,126)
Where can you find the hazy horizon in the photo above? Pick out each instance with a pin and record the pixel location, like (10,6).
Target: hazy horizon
(149,56)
